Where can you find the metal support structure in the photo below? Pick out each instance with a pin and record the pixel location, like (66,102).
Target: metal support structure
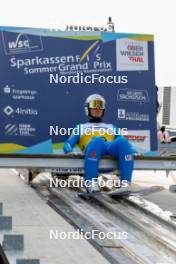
(71,163)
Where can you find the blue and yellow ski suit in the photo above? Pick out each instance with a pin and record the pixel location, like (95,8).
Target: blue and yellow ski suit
(98,139)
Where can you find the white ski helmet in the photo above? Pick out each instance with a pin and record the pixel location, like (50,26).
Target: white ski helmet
(94,101)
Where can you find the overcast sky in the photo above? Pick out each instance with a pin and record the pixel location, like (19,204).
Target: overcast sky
(132,16)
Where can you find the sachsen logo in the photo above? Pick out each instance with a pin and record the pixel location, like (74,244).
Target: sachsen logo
(15,43)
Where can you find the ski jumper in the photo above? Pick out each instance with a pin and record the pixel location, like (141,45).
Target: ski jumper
(98,139)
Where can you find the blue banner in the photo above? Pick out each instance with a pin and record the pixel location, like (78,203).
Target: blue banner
(46,77)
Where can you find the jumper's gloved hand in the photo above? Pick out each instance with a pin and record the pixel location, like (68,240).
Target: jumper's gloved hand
(67,147)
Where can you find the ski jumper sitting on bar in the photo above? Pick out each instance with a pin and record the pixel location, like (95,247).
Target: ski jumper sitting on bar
(94,145)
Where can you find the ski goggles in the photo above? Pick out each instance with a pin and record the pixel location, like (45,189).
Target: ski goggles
(97,104)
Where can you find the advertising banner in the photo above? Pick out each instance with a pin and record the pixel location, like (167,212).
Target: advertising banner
(45,77)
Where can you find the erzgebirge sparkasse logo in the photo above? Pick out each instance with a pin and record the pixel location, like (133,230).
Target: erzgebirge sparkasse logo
(16,43)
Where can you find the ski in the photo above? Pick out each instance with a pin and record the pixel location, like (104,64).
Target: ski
(122,193)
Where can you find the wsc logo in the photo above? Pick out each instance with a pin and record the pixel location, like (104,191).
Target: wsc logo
(15,43)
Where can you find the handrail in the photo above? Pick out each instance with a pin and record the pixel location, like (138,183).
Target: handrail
(80,156)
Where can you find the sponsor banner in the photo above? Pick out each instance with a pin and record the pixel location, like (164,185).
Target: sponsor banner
(132,95)
(131,55)
(25,130)
(46,77)
(68,170)
(20,43)
(139,138)
(123,114)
